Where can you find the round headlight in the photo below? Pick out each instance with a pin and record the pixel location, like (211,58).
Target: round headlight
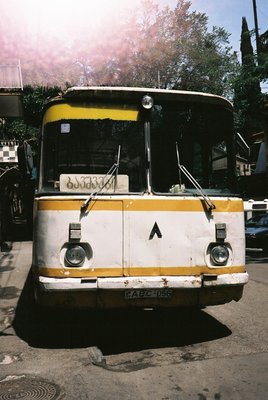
(219,255)
(147,102)
(75,255)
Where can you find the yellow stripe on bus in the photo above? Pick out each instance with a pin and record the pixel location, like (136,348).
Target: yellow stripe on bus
(59,112)
(138,205)
(67,205)
(135,271)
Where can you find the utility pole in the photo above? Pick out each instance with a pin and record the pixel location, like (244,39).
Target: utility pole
(265,106)
(256,30)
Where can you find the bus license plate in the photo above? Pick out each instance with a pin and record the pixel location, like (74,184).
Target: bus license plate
(148,294)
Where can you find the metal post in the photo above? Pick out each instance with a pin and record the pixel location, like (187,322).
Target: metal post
(256,29)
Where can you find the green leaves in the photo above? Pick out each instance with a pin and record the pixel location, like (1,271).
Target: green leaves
(248,96)
(33,99)
(151,46)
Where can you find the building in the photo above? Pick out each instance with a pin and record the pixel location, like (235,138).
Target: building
(11,89)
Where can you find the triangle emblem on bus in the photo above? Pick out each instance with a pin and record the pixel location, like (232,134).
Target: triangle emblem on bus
(155,231)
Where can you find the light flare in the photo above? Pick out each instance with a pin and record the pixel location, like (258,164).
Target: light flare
(54,18)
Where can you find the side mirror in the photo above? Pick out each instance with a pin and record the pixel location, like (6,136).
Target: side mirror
(25,160)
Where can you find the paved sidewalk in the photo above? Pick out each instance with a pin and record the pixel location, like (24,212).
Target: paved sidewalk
(14,269)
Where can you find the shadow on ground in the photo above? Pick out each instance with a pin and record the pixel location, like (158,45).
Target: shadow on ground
(256,257)
(20,232)
(113,332)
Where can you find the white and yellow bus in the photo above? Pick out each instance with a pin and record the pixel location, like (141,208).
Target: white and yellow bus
(136,201)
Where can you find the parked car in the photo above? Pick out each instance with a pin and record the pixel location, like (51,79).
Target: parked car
(257,232)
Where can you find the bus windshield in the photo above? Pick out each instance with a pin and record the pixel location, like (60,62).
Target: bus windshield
(83,144)
(79,153)
(202,134)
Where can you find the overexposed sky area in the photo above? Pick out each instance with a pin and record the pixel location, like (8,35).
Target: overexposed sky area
(60,17)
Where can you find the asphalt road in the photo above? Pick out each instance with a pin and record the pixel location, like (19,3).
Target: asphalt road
(218,353)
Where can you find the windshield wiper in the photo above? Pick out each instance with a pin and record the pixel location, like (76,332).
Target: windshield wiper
(113,170)
(183,169)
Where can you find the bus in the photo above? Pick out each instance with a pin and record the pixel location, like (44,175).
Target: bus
(136,201)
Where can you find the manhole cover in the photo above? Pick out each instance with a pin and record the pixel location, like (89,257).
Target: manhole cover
(27,389)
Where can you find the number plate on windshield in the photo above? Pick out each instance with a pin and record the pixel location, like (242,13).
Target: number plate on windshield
(132,294)
(93,183)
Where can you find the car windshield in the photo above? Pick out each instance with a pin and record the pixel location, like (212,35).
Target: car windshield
(258,221)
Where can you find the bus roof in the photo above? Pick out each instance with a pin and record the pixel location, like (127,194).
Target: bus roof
(135,93)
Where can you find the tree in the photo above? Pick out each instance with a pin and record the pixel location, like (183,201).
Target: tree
(16,129)
(168,49)
(247,89)
(33,102)
(152,46)
(263,56)
(33,99)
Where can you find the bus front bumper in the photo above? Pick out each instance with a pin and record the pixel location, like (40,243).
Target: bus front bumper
(175,282)
(159,291)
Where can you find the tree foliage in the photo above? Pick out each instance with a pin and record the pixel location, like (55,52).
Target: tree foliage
(152,46)
(33,100)
(263,56)
(162,48)
(248,94)
(16,129)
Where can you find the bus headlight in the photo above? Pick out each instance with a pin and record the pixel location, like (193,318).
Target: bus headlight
(219,255)
(147,102)
(75,255)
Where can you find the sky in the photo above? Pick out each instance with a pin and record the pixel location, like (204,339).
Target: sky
(47,20)
(228,14)
(40,16)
